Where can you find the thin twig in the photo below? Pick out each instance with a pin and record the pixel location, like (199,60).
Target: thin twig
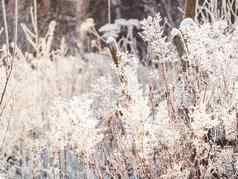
(12,62)
(7,44)
(16,30)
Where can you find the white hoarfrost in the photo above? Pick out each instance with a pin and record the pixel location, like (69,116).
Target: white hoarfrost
(60,103)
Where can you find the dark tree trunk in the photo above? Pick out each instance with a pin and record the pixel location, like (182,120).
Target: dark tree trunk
(190,8)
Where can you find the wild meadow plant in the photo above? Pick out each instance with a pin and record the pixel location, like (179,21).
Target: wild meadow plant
(92,116)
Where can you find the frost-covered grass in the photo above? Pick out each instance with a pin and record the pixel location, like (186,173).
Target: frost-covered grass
(83,117)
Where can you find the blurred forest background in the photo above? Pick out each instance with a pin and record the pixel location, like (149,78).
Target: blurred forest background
(69,14)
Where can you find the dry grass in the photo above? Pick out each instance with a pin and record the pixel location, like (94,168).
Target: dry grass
(74,117)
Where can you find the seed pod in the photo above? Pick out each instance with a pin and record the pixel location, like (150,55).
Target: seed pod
(112,45)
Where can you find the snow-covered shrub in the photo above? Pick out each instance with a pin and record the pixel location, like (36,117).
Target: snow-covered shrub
(202,93)
(89,118)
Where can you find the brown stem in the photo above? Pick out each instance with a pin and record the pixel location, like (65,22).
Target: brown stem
(190,8)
